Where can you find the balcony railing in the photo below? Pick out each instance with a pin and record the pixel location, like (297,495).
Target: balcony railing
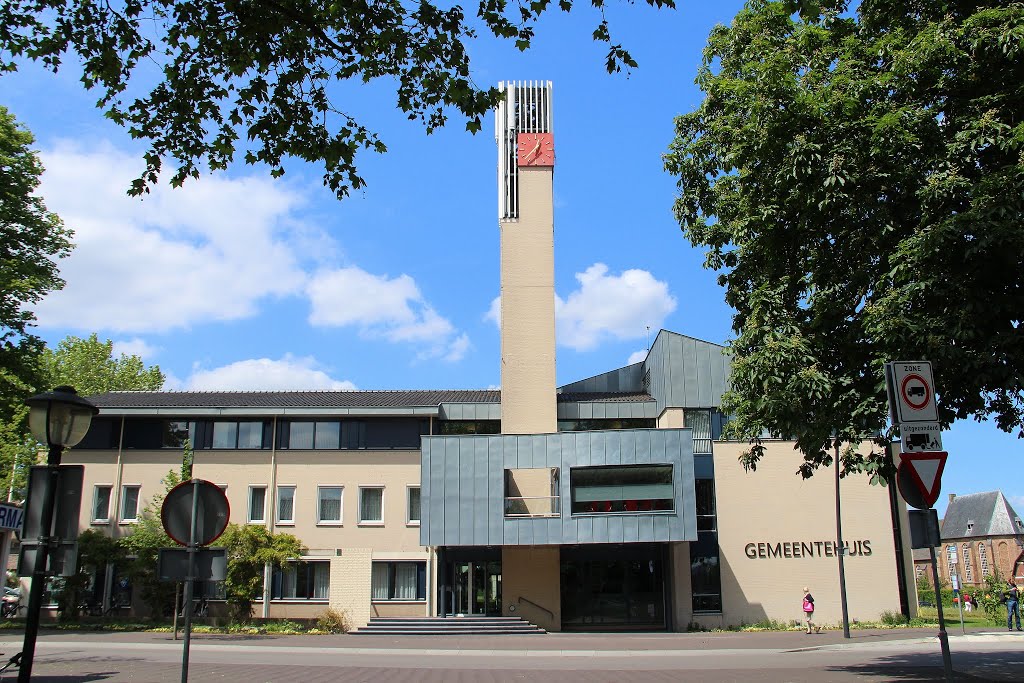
(533,506)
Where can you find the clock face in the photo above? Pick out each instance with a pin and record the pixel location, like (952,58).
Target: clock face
(535,149)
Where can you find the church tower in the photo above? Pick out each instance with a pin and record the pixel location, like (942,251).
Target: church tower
(526,159)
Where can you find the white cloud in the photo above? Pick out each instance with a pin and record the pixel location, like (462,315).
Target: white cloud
(262,374)
(383,307)
(457,349)
(616,306)
(134,347)
(637,357)
(208,251)
(494,312)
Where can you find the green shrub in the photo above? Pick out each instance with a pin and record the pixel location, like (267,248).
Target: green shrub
(890,618)
(332,621)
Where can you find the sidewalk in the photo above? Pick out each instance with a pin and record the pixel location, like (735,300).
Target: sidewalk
(618,643)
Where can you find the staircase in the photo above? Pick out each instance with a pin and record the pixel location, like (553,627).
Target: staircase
(447,626)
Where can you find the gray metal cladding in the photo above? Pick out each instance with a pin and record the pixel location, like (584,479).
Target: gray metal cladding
(464,487)
(686,372)
(629,378)
(470,411)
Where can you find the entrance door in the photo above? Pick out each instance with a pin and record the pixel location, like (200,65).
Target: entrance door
(613,588)
(476,588)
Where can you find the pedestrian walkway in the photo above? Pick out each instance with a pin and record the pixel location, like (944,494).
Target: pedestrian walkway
(586,644)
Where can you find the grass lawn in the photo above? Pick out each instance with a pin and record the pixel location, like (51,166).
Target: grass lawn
(952,616)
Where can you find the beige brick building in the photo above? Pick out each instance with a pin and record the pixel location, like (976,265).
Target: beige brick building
(609,503)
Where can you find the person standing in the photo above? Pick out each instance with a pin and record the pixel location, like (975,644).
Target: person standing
(1012,597)
(809,612)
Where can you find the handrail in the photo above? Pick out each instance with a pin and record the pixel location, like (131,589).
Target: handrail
(520,506)
(542,609)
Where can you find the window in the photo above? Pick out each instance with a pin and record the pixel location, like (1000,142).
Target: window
(328,435)
(705,574)
(532,492)
(308,435)
(257,504)
(970,525)
(103,433)
(398,581)
(621,488)
(414,505)
(371,505)
(129,503)
(143,433)
(968,570)
(700,422)
(919,570)
(101,503)
(301,581)
(705,493)
(178,433)
(469,427)
(225,434)
(983,559)
(285,504)
(250,435)
(246,434)
(608,423)
(328,505)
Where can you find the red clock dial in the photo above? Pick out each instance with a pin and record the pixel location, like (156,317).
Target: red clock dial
(535,149)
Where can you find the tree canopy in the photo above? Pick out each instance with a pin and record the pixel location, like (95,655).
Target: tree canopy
(202,81)
(32,240)
(858,182)
(90,367)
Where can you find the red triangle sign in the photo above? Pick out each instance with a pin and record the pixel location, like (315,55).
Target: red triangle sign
(925,470)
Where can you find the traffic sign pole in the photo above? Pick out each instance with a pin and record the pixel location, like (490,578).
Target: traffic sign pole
(947,659)
(189,581)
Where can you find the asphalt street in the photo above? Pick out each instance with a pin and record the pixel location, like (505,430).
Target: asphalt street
(896,655)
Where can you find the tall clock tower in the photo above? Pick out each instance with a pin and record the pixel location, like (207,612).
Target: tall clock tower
(526,160)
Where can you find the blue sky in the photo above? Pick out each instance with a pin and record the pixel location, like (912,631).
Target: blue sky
(241,282)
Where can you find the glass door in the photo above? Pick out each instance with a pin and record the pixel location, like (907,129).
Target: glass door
(476,588)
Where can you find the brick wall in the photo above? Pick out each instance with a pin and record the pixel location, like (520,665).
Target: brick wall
(350,584)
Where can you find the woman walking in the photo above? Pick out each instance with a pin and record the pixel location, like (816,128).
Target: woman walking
(809,612)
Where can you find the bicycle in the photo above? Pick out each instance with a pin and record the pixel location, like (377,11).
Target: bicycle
(200,608)
(12,610)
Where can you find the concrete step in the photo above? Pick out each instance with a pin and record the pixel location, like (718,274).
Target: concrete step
(408,626)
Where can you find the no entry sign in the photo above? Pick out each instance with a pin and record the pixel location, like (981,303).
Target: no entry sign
(913,392)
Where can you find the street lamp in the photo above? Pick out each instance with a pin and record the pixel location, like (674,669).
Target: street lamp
(60,419)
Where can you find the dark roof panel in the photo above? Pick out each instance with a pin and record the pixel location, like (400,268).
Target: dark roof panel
(289,399)
(987,514)
(324,399)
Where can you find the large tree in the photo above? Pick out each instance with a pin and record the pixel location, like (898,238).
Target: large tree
(203,80)
(858,182)
(91,367)
(32,240)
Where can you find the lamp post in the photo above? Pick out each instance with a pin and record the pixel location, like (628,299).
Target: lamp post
(60,419)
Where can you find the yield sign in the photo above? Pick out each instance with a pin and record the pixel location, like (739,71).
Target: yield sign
(923,471)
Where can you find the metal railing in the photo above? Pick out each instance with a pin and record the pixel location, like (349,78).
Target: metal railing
(550,614)
(533,506)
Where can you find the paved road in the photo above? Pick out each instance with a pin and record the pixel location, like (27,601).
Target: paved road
(69,657)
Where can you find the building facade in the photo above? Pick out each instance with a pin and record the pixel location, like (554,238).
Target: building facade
(982,536)
(607,503)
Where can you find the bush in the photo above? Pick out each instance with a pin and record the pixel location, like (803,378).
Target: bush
(890,618)
(332,621)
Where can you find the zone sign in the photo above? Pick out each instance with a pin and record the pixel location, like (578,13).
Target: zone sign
(914,391)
